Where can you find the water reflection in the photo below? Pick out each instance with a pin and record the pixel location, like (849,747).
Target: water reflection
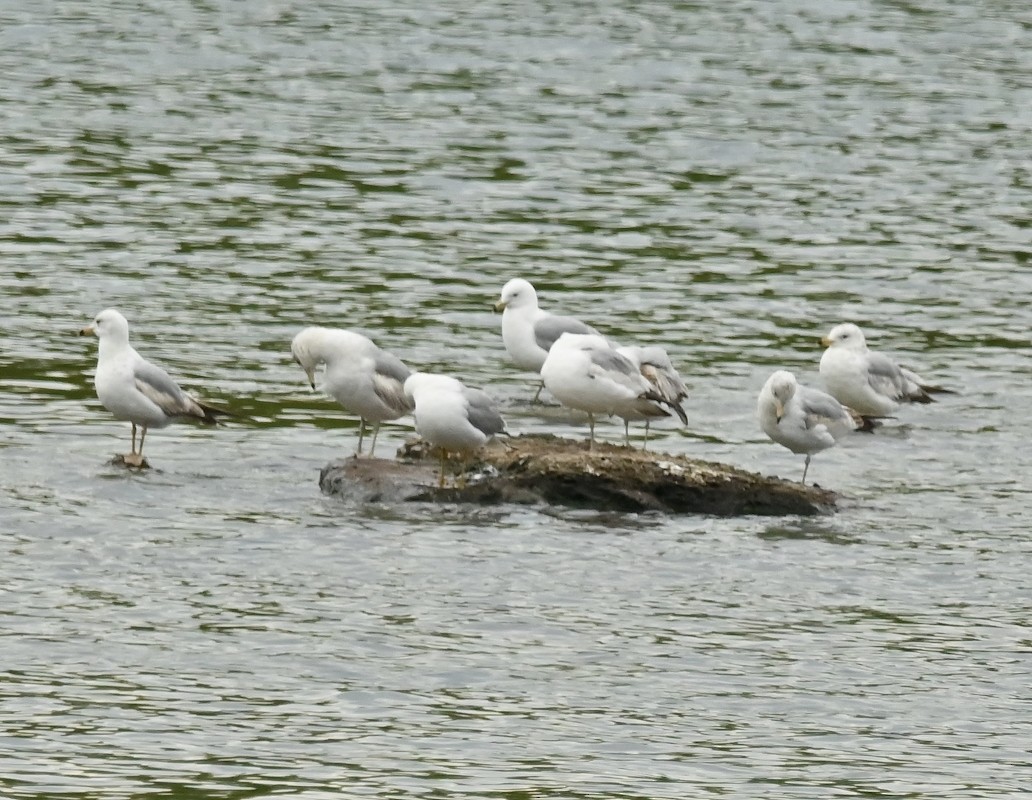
(818,529)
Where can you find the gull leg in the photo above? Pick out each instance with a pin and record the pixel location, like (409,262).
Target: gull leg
(464,463)
(133,451)
(626,433)
(645,444)
(361,432)
(537,394)
(376,430)
(135,458)
(806,466)
(591,424)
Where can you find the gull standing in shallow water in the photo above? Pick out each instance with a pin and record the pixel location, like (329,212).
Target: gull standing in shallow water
(452,416)
(655,366)
(134,389)
(870,383)
(528,332)
(359,375)
(802,419)
(585,373)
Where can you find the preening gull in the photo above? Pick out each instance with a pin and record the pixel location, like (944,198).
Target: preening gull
(359,375)
(452,416)
(802,419)
(528,331)
(134,389)
(586,374)
(868,382)
(655,366)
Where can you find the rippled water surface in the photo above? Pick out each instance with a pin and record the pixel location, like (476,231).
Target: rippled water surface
(730,179)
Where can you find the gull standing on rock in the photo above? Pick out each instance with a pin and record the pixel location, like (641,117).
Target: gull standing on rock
(134,389)
(359,375)
(802,419)
(586,374)
(452,416)
(528,332)
(868,382)
(655,366)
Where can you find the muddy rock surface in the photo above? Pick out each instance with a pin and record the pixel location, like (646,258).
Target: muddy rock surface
(553,471)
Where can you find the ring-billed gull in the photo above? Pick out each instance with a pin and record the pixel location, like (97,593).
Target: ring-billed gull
(585,373)
(802,419)
(452,416)
(134,389)
(528,331)
(655,366)
(868,382)
(359,375)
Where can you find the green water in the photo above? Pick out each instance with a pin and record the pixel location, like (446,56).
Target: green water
(727,179)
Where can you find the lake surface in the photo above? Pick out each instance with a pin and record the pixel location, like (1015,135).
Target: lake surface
(727,179)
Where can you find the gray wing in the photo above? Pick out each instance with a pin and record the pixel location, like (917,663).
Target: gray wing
(917,389)
(913,377)
(621,369)
(481,412)
(820,408)
(158,387)
(551,327)
(390,365)
(885,377)
(612,361)
(389,375)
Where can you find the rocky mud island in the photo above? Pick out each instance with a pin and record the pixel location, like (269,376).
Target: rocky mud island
(548,470)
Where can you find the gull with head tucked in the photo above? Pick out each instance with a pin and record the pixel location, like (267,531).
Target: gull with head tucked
(134,389)
(528,331)
(359,375)
(868,382)
(802,419)
(655,366)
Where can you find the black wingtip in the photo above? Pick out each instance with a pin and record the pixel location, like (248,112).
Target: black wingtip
(680,412)
(213,414)
(655,397)
(868,424)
